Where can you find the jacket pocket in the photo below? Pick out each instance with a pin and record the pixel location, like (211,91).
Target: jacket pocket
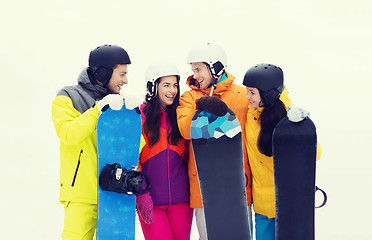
(77,168)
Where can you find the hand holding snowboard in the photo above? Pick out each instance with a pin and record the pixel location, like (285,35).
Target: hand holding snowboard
(213,105)
(114,101)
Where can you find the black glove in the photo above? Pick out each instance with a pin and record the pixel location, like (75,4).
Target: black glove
(194,82)
(213,105)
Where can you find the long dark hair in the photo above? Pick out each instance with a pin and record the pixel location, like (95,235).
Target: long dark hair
(152,111)
(269,118)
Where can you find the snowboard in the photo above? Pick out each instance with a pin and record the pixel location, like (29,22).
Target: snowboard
(218,152)
(118,141)
(294,153)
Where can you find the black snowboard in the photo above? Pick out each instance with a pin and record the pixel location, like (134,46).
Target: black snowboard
(294,152)
(217,145)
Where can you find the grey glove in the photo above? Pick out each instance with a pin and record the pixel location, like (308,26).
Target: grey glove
(296,114)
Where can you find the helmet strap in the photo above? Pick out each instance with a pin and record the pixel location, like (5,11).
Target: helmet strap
(152,90)
(216,70)
(103,75)
(212,89)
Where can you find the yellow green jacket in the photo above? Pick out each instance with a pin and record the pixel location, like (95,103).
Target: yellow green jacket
(75,122)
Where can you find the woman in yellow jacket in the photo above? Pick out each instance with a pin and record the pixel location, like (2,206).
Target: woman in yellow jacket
(267,106)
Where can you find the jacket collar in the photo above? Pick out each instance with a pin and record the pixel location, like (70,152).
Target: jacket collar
(256,112)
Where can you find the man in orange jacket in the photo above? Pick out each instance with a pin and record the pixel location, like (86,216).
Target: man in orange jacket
(208,62)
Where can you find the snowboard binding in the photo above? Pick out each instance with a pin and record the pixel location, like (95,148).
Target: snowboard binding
(324,196)
(114,178)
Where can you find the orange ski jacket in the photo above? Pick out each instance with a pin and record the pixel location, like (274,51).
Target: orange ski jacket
(235,98)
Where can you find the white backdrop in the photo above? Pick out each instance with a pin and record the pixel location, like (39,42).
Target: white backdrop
(324,48)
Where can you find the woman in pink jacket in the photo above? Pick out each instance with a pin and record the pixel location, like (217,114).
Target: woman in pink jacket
(162,158)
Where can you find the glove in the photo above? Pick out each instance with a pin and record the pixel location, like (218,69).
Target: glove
(131,101)
(114,101)
(194,82)
(145,208)
(296,114)
(213,105)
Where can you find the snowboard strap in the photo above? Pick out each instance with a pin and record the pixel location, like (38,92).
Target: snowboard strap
(324,195)
(114,178)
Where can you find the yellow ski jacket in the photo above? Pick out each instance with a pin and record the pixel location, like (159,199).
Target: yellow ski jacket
(75,122)
(263,187)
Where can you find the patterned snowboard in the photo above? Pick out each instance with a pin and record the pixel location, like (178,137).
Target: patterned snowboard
(217,145)
(118,140)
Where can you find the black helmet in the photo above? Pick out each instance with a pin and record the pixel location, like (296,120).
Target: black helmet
(103,59)
(268,79)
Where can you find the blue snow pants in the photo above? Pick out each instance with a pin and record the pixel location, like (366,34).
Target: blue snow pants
(265,227)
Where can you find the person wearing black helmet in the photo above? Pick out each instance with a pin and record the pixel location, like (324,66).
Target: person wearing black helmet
(75,111)
(108,67)
(267,106)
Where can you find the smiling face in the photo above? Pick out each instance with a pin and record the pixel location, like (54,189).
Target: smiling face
(167,90)
(254,97)
(118,78)
(202,74)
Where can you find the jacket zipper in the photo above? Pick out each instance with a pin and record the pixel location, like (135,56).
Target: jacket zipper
(77,169)
(169,179)
(168,159)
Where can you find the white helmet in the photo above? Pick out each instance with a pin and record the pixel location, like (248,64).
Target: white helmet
(156,71)
(211,54)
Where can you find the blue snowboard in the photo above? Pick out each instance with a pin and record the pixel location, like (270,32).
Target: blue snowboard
(118,141)
(217,145)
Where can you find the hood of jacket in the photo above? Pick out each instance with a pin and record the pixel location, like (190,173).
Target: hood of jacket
(87,82)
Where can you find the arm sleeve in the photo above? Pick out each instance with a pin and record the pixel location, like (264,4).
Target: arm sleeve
(285,98)
(318,151)
(71,126)
(142,144)
(185,112)
(287,102)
